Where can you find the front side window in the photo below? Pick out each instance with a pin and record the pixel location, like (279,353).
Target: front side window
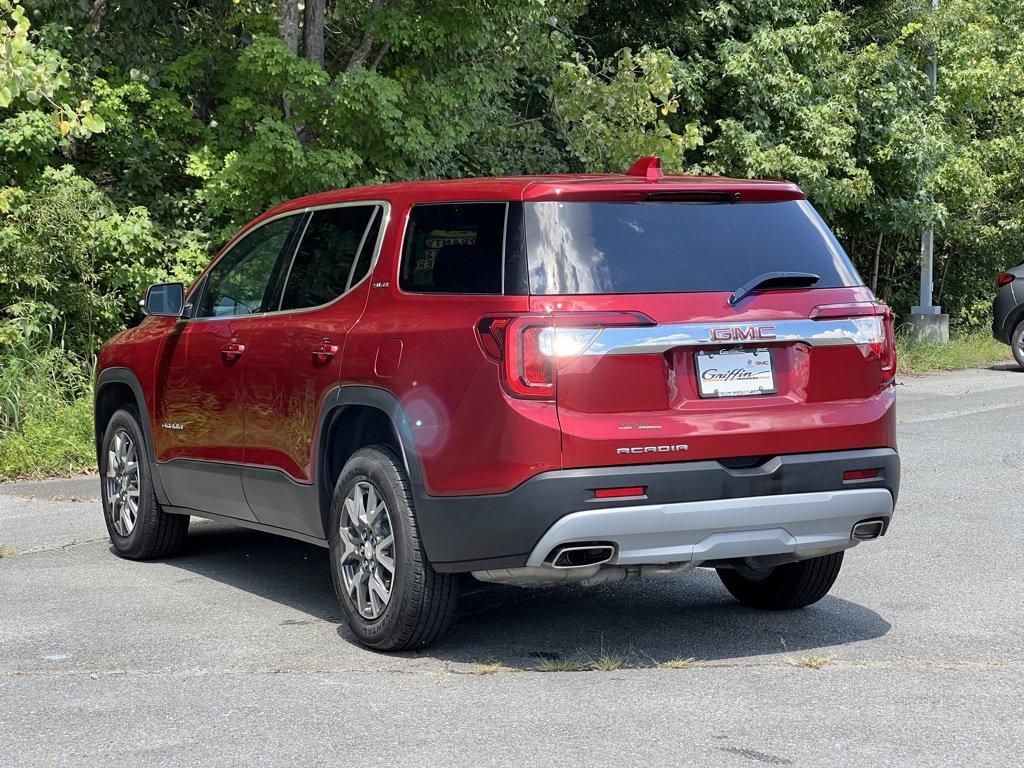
(240,283)
(335,254)
(454,248)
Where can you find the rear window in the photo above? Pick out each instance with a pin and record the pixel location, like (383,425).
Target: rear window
(454,248)
(676,247)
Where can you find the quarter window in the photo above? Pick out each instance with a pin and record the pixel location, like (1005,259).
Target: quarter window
(454,248)
(239,284)
(334,255)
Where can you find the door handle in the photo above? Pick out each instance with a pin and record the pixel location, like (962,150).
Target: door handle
(232,351)
(324,351)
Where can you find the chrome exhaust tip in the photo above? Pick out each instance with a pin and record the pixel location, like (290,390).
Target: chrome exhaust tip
(868,529)
(582,555)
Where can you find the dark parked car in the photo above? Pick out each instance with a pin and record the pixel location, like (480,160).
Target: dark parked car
(534,380)
(1008,311)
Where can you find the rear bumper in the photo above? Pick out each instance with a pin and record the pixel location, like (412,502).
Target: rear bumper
(468,533)
(799,524)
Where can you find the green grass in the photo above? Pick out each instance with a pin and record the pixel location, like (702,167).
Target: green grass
(608,662)
(808,662)
(488,668)
(970,350)
(58,442)
(45,413)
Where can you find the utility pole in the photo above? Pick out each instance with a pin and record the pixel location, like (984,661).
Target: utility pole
(926,319)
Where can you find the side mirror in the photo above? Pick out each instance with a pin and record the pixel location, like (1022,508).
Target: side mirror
(164,300)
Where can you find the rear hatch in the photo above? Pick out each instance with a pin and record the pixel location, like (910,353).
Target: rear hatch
(699,328)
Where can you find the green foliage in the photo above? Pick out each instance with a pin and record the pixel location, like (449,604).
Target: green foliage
(60,442)
(965,350)
(67,254)
(45,408)
(135,137)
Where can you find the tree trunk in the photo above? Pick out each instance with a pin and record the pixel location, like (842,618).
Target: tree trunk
(313,31)
(378,56)
(366,44)
(96,12)
(288,23)
(874,270)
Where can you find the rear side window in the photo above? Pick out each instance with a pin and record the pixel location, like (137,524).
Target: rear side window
(334,255)
(676,247)
(454,248)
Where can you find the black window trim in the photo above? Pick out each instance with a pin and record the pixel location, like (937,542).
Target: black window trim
(379,206)
(435,203)
(304,215)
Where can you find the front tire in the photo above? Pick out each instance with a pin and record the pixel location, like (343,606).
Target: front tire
(138,527)
(392,598)
(794,585)
(1017,343)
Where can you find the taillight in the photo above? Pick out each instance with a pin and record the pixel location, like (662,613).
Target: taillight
(532,370)
(1005,278)
(887,348)
(880,335)
(530,347)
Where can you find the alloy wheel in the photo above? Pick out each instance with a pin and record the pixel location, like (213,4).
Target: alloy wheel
(122,483)
(367,560)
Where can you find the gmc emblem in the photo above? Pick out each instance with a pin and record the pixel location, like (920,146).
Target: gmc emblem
(743,333)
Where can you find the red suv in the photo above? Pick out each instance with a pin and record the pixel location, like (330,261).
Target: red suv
(534,380)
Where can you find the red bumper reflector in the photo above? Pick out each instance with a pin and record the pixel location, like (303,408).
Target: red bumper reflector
(859,474)
(619,493)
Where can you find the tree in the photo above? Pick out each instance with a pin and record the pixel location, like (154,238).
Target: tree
(288,23)
(313,31)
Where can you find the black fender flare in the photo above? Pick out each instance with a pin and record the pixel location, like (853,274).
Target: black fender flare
(119,375)
(346,395)
(1010,323)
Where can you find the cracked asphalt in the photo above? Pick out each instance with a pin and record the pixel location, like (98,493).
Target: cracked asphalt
(233,653)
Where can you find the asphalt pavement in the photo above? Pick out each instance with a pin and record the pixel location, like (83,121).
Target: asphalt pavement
(233,653)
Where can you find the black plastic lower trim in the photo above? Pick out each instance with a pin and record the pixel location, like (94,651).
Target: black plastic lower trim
(466,533)
(320,542)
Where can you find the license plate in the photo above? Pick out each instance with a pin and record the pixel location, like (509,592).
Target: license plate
(735,373)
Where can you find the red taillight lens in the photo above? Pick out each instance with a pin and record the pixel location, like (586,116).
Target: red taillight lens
(536,370)
(887,355)
(619,493)
(859,474)
(530,347)
(527,372)
(1005,279)
(882,332)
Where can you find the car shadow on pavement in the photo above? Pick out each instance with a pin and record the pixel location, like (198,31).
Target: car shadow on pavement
(643,623)
(1009,366)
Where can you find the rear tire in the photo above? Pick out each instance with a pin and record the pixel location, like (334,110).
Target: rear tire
(1017,343)
(789,586)
(392,598)
(139,529)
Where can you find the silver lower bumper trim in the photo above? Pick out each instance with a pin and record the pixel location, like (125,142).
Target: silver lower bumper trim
(802,524)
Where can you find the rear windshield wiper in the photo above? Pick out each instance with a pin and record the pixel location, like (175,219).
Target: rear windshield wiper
(774,280)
